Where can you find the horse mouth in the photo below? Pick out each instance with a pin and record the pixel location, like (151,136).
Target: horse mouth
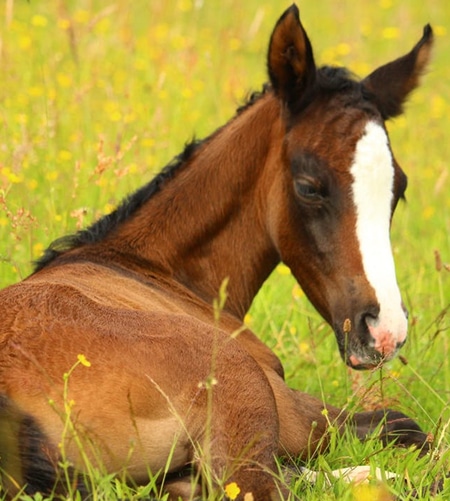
(363,365)
(369,359)
(362,352)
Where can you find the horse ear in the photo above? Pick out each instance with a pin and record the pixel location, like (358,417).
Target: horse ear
(392,83)
(290,59)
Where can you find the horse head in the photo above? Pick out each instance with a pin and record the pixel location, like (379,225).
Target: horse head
(340,187)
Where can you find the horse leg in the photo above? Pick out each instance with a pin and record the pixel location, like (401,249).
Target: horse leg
(394,427)
(233,424)
(304,421)
(239,430)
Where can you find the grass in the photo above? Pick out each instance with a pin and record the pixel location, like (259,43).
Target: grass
(95,97)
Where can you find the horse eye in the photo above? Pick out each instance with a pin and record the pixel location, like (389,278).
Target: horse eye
(308,189)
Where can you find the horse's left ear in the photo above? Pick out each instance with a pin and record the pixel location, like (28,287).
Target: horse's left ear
(290,59)
(392,83)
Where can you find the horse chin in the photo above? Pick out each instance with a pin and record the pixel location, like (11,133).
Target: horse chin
(354,363)
(364,362)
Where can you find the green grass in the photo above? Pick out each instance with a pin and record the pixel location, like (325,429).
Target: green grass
(96,96)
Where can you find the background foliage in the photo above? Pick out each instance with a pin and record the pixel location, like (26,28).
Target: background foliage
(96,96)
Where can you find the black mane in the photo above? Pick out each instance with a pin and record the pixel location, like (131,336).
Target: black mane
(335,78)
(98,230)
(253,97)
(332,79)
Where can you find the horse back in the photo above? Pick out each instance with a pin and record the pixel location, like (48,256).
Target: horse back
(120,321)
(151,351)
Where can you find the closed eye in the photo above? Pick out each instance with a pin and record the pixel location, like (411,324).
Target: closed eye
(310,176)
(309,189)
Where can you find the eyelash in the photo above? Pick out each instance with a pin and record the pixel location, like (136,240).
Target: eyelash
(309,189)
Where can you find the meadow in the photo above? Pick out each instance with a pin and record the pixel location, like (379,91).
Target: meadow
(97,96)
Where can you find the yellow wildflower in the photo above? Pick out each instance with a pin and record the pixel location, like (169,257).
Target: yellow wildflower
(83,360)
(390,33)
(232,490)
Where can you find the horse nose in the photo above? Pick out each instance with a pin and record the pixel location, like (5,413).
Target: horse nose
(385,337)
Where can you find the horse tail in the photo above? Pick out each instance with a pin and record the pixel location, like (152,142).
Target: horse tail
(28,462)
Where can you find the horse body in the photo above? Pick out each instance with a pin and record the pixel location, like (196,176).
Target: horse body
(172,380)
(153,362)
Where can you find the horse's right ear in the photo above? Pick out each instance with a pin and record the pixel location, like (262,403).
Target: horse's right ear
(290,60)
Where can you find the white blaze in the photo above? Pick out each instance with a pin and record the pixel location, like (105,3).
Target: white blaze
(373,174)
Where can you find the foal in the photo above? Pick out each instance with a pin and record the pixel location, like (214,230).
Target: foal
(303,174)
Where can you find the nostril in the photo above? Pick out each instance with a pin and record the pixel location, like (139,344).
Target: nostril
(369,317)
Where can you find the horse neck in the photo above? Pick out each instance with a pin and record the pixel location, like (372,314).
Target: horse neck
(208,224)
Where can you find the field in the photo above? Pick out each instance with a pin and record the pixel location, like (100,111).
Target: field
(97,96)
